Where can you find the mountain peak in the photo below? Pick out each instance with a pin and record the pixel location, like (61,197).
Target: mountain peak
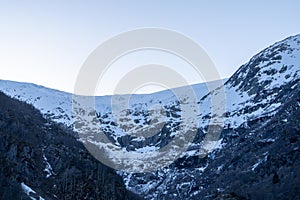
(276,65)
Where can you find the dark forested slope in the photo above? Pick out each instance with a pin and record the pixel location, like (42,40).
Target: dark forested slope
(39,156)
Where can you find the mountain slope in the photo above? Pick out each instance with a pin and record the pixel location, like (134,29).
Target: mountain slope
(260,136)
(39,160)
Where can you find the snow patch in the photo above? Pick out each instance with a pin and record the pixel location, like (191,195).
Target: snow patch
(30,192)
(48,169)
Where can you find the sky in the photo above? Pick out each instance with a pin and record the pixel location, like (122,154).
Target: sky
(47,42)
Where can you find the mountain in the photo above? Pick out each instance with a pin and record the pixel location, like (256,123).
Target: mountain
(259,143)
(256,155)
(41,160)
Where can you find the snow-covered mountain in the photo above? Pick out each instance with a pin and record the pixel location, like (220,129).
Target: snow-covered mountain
(258,95)
(261,94)
(53,104)
(249,92)
(57,106)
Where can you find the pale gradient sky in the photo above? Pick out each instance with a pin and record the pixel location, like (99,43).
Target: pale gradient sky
(46,42)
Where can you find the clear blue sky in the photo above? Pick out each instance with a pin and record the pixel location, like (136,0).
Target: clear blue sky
(46,42)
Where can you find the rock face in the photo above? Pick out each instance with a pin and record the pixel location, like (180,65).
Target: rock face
(39,159)
(255,157)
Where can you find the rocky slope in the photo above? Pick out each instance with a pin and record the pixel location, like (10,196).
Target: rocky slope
(256,155)
(41,160)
